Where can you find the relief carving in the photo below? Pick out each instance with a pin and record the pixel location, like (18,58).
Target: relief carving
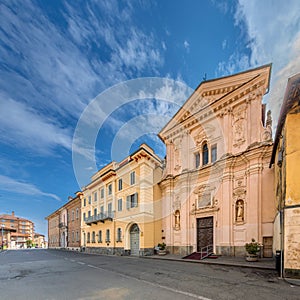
(239,125)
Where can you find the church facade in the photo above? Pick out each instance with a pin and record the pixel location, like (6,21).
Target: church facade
(217,188)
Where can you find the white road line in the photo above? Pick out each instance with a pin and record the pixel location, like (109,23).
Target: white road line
(81,263)
(154,284)
(72,260)
(91,266)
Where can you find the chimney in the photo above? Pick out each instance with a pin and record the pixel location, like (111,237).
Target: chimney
(13,213)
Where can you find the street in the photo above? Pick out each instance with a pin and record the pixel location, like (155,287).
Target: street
(57,274)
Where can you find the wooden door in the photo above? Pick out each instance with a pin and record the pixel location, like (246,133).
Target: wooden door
(268,247)
(205,232)
(134,240)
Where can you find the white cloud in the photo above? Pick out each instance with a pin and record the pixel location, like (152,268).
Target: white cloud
(56,70)
(186,45)
(20,187)
(273,30)
(23,127)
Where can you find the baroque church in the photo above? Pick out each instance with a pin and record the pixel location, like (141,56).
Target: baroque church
(217,188)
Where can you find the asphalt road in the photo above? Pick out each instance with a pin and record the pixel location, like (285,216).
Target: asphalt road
(55,274)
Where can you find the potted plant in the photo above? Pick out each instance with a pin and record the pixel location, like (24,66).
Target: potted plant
(161,249)
(252,249)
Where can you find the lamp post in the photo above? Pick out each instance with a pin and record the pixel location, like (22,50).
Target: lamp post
(2,227)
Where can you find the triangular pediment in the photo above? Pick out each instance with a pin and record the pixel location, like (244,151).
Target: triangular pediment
(212,93)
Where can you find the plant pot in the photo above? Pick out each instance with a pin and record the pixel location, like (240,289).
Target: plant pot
(162,252)
(252,257)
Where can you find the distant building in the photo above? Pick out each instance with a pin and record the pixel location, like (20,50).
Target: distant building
(39,240)
(286,162)
(5,237)
(64,225)
(74,221)
(23,230)
(121,208)
(217,188)
(53,230)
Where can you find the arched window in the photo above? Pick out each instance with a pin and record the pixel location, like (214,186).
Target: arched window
(119,235)
(93,237)
(88,237)
(107,240)
(204,154)
(100,236)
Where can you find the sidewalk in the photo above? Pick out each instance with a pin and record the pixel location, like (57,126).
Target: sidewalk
(263,263)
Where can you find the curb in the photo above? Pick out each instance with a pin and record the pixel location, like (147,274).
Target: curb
(238,265)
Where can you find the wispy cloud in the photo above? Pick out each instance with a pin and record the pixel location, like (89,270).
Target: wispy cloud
(21,126)
(57,68)
(186,45)
(20,187)
(272,31)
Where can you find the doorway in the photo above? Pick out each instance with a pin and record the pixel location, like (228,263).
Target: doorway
(134,240)
(205,232)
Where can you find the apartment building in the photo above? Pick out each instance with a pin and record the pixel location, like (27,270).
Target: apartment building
(121,207)
(64,225)
(23,230)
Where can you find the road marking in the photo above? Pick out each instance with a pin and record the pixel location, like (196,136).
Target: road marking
(91,266)
(81,263)
(153,284)
(72,260)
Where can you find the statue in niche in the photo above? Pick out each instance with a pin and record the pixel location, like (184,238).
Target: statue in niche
(239,211)
(177,219)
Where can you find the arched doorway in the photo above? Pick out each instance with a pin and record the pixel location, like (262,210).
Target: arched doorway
(134,240)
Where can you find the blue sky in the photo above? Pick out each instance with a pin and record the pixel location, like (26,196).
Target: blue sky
(57,56)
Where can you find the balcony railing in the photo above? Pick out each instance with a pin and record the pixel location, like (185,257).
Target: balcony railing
(102,217)
(62,225)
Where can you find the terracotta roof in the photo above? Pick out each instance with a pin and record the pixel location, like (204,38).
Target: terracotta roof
(292,95)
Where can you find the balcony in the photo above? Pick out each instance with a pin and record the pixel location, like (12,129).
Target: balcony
(62,225)
(102,217)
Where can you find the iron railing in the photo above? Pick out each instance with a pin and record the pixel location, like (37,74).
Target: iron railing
(206,251)
(101,217)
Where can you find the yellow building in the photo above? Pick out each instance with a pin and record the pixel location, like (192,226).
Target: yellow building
(121,206)
(286,160)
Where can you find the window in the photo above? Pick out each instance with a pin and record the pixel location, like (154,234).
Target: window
(120,205)
(132,201)
(213,153)
(109,207)
(102,209)
(95,211)
(73,236)
(77,213)
(197,160)
(84,216)
(84,202)
(120,184)
(119,235)
(109,189)
(100,236)
(90,199)
(204,154)
(89,213)
(77,236)
(93,237)
(88,237)
(73,215)
(102,193)
(107,240)
(132,178)
(95,196)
